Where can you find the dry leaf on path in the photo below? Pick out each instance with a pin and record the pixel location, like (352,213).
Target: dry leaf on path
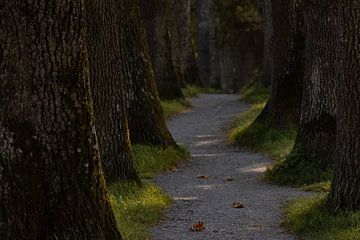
(238,205)
(199,227)
(229,179)
(202,177)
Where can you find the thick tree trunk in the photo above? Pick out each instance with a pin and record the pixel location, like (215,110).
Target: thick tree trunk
(188,62)
(107,84)
(157,20)
(51,181)
(345,191)
(145,116)
(209,54)
(287,68)
(268,36)
(316,137)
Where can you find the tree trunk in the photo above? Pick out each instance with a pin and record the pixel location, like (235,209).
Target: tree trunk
(145,116)
(345,191)
(157,20)
(107,84)
(316,137)
(209,54)
(188,62)
(51,181)
(287,68)
(268,36)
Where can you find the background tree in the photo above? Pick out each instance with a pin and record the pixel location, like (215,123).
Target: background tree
(287,44)
(209,55)
(266,74)
(107,84)
(183,25)
(145,116)
(157,19)
(345,191)
(51,181)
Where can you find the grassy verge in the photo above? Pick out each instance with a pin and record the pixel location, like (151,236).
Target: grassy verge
(310,221)
(138,208)
(262,137)
(174,107)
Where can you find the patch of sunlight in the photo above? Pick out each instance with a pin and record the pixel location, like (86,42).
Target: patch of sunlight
(207,142)
(207,187)
(185,198)
(253,169)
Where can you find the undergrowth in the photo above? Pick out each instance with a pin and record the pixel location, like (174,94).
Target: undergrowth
(174,107)
(308,218)
(136,208)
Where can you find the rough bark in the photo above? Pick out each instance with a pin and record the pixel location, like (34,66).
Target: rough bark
(107,84)
(188,62)
(157,19)
(145,116)
(284,104)
(345,191)
(316,137)
(51,181)
(209,54)
(268,36)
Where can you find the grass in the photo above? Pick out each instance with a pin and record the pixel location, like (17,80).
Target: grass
(308,218)
(277,143)
(136,208)
(254,93)
(174,107)
(150,161)
(296,169)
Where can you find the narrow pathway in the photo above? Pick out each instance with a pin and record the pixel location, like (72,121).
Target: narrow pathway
(210,200)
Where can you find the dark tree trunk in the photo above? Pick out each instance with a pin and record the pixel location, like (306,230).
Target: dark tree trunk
(51,181)
(316,137)
(209,54)
(157,19)
(107,84)
(268,36)
(287,68)
(145,116)
(345,191)
(188,62)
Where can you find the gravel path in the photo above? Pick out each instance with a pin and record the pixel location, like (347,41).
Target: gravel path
(210,200)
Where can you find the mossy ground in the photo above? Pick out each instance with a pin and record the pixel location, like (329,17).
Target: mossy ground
(308,218)
(136,208)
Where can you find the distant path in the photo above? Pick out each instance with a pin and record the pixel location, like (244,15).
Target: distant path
(210,200)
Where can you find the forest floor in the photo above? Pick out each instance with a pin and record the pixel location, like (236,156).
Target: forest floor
(217,176)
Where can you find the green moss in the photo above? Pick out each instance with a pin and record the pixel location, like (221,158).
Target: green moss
(308,218)
(174,107)
(150,160)
(137,209)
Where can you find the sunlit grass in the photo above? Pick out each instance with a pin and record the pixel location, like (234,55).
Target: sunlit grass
(174,107)
(308,218)
(150,160)
(136,208)
(261,137)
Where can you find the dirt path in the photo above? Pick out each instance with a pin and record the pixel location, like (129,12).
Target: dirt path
(210,200)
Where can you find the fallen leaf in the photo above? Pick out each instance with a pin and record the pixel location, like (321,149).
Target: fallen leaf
(229,179)
(238,205)
(202,177)
(199,227)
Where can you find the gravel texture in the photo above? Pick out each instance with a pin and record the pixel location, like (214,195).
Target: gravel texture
(202,131)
